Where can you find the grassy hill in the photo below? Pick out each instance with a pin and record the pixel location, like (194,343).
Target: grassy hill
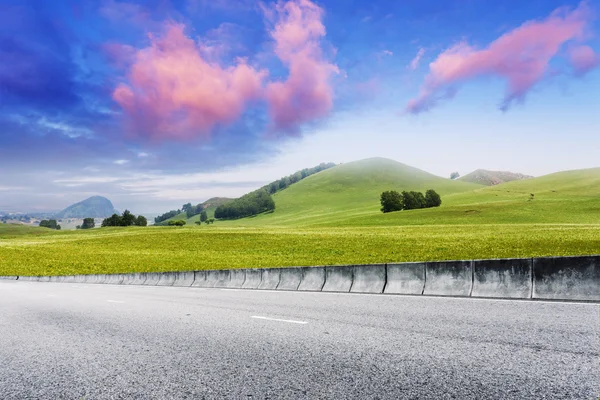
(491,178)
(350,190)
(348,195)
(209,205)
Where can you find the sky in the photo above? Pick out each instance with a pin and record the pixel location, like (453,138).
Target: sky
(157,103)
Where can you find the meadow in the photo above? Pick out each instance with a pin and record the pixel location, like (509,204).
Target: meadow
(119,250)
(333,218)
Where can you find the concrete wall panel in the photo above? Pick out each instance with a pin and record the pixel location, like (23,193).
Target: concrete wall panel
(510,278)
(448,278)
(567,278)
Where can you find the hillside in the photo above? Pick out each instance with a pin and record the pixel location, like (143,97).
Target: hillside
(209,206)
(94,207)
(491,178)
(348,195)
(351,189)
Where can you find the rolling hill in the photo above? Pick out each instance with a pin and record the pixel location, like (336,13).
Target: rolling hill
(93,207)
(491,178)
(348,195)
(209,206)
(351,189)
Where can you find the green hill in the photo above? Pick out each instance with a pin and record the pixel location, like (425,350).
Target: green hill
(348,195)
(209,206)
(491,178)
(93,207)
(350,190)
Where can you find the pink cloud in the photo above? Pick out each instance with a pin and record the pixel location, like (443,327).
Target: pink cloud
(414,64)
(306,94)
(173,93)
(583,59)
(521,57)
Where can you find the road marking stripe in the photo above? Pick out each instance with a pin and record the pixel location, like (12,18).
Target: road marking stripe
(291,321)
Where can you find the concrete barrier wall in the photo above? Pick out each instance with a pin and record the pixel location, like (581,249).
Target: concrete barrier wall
(502,278)
(559,278)
(405,278)
(253,279)
(152,278)
(9,278)
(448,278)
(219,278)
(567,278)
(237,278)
(338,279)
(199,279)
(270,278)
(185,278)
(313,278)
(167,279)
(290,278)
(369,278)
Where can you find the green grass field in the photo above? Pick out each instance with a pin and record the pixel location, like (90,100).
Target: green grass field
(333,217)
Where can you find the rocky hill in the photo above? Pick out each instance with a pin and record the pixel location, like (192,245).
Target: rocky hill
(94,207)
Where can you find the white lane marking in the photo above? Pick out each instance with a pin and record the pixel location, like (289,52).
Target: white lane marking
(115,301)
(291,321)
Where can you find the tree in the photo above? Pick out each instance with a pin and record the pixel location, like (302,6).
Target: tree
(410,203)
(141,221)
(49,223)
(178,222)
(113,220)
(419,199)
(432,199)
(127,218)
(203,216)
(88,223)
(211,221)
(391,200)
(454,175)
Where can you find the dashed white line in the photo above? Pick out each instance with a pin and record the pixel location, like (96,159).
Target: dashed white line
(291,321)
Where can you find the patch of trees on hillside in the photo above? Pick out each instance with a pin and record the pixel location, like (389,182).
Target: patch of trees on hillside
(166,216)
(394,201)
(50,223)
(286,181)
(249,204)
(125,219)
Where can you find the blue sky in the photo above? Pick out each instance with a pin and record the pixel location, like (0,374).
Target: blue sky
(157,103)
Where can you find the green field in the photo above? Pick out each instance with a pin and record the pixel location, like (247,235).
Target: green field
(333,217)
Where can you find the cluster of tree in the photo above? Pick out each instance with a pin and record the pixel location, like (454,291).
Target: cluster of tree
(88,223)
(206,221)
(394,201)
(166,216)
(125,219)
(50,223)
(284,182)
(176,222)
(249,204)
(454,175)
(191,210)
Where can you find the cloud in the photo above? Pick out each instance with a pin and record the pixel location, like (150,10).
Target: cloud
(173,93)
(307,93)
(521,57)
(414,64)
(583,59)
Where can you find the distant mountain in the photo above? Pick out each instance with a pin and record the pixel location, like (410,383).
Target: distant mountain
(491,178)
(94,207)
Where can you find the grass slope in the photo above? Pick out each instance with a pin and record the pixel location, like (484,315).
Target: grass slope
(349,190)
(491,178)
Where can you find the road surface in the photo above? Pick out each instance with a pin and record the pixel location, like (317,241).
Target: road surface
(77,341)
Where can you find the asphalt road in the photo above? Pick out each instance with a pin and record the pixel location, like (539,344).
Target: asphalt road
(75,341)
